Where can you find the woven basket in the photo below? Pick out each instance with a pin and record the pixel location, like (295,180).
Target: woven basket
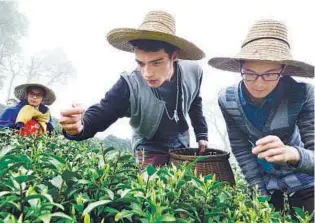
(216,162)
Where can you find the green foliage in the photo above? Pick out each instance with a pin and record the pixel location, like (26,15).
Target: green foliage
(50,179)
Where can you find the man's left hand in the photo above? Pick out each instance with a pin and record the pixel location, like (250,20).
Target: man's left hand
(272,149)
(202,144)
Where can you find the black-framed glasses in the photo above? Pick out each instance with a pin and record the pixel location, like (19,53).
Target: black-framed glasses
(268,76)
(38,95)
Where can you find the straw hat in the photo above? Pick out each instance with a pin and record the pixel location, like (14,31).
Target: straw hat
(20,92)
(267,40)
(157,25)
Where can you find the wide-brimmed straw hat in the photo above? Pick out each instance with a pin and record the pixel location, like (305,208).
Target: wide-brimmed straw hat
(157,25)
(20,92)
(267,40)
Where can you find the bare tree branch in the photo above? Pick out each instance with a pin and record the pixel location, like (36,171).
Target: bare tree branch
(33,70)
(15,66)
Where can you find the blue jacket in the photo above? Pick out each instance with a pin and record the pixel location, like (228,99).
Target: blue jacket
(8,117)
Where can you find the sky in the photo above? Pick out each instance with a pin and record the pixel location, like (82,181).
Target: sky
(217,27)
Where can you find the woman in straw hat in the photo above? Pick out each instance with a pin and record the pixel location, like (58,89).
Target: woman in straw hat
(157,96)
(30,115)
(270,116)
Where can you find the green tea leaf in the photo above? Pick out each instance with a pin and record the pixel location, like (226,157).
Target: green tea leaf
(15,165)
(138,212)
(83,181)
(110,194)
(111,210)
(123,214)
(69,175)
(180,184)
(200,158)
(45,218)
(143,220)
(218,184)
(79,207)
(105,151)
(180,220)
(51,204)
(221,197)
(181,210)
(93,205)
(57,181)
(61,215)
(3,193)
(208,178)
(300,212)
(170,195)
(125,158)
(263,199)
(150,170)
(168,218)
(6,150)
(124,193)
(56,163)
(23,179)
(38,196)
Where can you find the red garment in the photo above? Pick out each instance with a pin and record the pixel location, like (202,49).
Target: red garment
(30,127)
(153,158)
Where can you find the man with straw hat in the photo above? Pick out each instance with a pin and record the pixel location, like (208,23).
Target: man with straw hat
(31,115)
(158,95)
(270,116)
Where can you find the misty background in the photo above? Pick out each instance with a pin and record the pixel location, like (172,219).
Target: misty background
(63,45)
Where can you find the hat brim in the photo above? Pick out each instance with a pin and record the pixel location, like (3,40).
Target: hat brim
(119,38)
(20,92)
(293,67)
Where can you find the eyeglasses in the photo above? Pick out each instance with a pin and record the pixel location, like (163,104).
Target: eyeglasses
(268,76)
(38,95)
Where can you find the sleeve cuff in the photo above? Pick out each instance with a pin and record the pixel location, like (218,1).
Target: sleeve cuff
(19,125)
(202,136)
(50,127)
(305,161)
(73,137)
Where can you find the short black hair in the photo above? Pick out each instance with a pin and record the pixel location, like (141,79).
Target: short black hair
(153,46)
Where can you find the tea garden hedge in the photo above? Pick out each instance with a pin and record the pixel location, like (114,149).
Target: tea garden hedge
(51,179)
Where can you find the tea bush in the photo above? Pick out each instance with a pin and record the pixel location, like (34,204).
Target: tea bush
(50,179)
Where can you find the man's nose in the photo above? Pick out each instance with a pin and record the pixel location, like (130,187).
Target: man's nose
(147,72)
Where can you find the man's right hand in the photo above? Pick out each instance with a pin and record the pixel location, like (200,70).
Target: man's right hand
(71,119)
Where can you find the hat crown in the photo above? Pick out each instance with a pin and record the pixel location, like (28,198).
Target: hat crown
(267,28)
(159,21)
(20,92)
(267,40)
(158,26)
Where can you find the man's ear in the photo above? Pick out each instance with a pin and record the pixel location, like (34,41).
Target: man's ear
(174,56)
